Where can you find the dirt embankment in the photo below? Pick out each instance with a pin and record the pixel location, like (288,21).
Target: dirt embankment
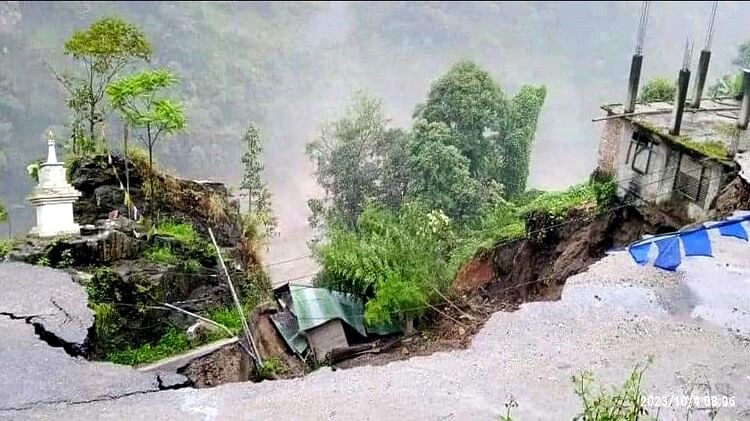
(534,268)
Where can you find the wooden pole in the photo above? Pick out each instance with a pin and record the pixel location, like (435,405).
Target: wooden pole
(236,299)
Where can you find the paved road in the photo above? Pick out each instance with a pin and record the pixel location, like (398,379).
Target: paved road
(694,323)
(37,301)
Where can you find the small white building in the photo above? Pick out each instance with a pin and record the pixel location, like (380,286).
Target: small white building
(683,173)
(53,198)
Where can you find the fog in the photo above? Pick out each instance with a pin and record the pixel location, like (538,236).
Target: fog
(291,67)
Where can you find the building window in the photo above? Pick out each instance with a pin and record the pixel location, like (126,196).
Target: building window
(691,180)
(639,153)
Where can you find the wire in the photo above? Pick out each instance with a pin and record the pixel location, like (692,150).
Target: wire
(293,259)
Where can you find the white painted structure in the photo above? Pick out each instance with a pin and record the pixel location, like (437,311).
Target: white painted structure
(53,198)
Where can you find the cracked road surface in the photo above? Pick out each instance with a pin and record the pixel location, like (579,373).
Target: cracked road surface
(44,322)
(694,322)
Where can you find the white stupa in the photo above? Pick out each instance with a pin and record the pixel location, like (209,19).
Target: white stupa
(53,198)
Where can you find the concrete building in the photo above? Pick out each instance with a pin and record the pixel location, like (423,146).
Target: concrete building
(683,171)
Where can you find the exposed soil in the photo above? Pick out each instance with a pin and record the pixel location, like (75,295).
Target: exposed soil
(227,365)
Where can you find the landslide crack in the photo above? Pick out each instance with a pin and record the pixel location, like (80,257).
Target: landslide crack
(48,337)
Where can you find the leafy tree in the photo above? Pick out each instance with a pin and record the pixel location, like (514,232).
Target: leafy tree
(440,176)
(470,103)
(139,98)
(658,89)
(520,122)
(107,47)
(494,133)
(258,195)
(743,56)
(358,157)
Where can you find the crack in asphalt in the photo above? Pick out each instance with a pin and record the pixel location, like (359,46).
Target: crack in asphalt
(48,337)
(160,387)
(102,398)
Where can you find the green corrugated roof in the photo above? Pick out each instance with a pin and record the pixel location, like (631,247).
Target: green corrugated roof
(316,306)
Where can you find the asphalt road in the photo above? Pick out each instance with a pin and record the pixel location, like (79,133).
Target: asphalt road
(694,324)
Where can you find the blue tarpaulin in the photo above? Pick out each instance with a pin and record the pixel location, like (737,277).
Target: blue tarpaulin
(640,252)
(733,229)
(669,253)
(696,243)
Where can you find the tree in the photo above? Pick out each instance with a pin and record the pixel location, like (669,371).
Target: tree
(658,89)
(107,47)
(3,213)
(520,127)
(743,56)
(258,196)
(357,158)
(439,173)
(470,103)
(139,98)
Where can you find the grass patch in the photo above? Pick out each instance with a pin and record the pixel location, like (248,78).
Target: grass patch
(558,204)
(712,149)
(180,231)
(172,342)
(228,317)
(161,254)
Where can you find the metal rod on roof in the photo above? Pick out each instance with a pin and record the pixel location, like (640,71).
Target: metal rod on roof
(711,22)
(642,25)
(705,58)
(636,62)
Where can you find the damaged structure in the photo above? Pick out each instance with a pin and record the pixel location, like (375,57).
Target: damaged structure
(680,153)
(317,320)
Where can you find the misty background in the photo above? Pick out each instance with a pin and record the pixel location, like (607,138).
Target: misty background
(290,67)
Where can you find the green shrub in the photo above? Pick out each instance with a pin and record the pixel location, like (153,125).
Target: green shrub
(271,368)
(3,213)
(395,261)
(658,89)
(6,246)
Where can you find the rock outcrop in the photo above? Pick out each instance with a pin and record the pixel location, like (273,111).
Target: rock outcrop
(204,204)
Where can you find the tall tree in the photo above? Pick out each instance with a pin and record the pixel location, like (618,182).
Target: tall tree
(520,125)
(140,99)
(470,103)
(107,47)
(357,158)
(260,210)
